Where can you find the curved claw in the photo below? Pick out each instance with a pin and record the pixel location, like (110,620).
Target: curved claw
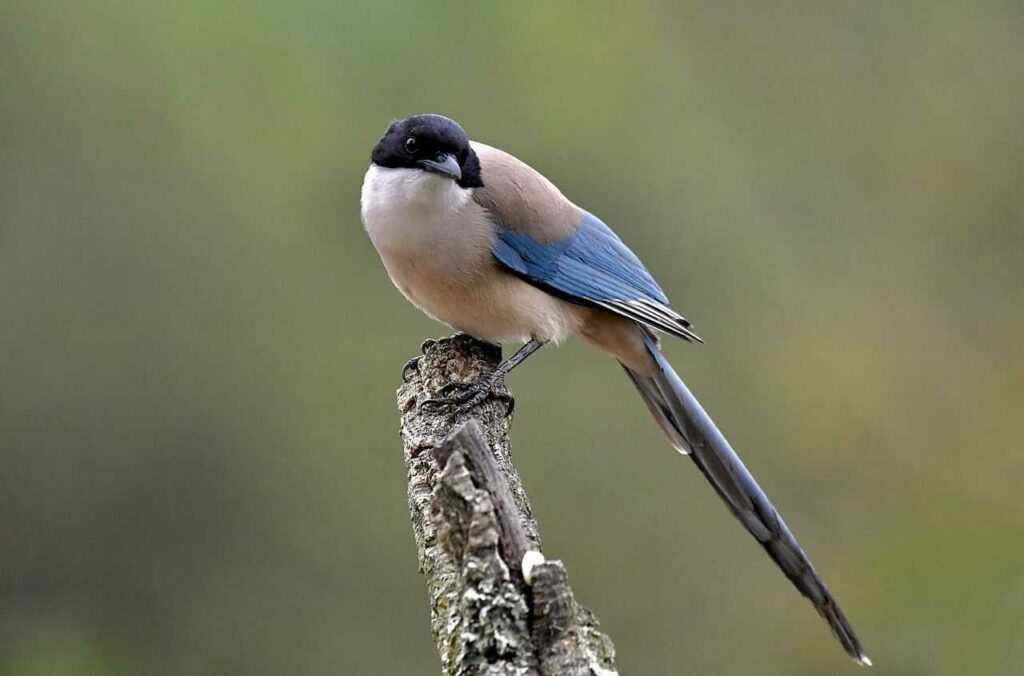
(510,404)
(410,366)
(507,399)
(464,397)
(458,394)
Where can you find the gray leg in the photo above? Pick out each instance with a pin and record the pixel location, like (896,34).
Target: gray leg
(466,396)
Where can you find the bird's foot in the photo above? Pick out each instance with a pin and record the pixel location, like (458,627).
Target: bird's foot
(464,397)
(410,366)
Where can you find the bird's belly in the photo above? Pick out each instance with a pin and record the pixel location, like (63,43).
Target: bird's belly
(490,303)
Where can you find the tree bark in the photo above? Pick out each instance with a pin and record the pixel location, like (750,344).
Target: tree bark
(490,613)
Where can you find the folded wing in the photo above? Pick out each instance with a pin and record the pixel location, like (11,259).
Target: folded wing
(592,266)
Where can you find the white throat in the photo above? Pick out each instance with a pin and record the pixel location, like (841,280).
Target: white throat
(406,207)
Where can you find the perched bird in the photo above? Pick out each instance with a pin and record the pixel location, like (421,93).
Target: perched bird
(482,242)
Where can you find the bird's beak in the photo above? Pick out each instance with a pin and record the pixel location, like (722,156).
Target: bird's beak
(445,164)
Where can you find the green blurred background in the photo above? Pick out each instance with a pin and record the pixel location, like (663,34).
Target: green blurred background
(201,472)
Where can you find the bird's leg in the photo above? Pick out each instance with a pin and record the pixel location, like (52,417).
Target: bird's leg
(466,396)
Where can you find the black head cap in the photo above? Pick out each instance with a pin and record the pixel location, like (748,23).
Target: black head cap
(430,143)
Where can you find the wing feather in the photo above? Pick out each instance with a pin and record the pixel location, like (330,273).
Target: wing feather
(592,266)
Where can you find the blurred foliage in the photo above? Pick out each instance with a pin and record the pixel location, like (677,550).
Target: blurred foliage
(199,347)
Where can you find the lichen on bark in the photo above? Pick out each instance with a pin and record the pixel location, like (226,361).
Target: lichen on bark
(472,524)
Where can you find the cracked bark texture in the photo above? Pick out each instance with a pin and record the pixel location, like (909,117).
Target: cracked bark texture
(472,523)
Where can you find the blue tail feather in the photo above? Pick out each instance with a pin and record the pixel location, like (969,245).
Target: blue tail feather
(690,429)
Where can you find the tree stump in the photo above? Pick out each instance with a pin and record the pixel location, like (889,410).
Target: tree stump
(497,606)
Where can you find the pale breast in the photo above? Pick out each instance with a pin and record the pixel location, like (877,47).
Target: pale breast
(435,243)
(427,230)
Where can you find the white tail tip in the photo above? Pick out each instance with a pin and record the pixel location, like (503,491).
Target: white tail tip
(863,660)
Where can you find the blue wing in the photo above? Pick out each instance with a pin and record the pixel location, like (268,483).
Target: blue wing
(592,266)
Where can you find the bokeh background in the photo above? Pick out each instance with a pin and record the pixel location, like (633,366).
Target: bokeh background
(200,471)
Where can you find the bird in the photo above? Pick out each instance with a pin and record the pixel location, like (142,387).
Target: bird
(480,241)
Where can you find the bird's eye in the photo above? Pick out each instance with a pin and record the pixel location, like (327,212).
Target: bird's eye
(410,145)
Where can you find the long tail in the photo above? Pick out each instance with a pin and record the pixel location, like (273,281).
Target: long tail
(692,431)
